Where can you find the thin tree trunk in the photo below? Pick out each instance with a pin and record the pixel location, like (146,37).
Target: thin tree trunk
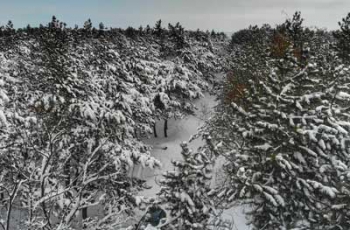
(42,188)
(8,216)
(155,130)
(166,128)
(10,204)
(75,180)
(84,215)
(67,173)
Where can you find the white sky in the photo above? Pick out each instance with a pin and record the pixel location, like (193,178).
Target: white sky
(222,15)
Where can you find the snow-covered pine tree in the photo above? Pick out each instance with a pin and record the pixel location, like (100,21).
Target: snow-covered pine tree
(253,36)
(138,68)
(148,30)
(88,25)
(342,37)
(175,88)
(185,191)
(295,30)
(289,159)
(177,34)
(158,30)
(9,28)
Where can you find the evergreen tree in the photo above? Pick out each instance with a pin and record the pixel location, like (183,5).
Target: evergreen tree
(213,34)
(294,29)
(9,30)
(148,29)
(296,35)
(158,30)
(253,37)
(101,29)
(185,190)
(29,29)
(141,31)
(101,26)
(88,25)
(343,38)
(130,32)
(54,22)
(9,25)
(177,34)
(285,140)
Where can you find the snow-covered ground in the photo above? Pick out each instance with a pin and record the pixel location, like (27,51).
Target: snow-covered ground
(182,130)
(17,218)
(179,130)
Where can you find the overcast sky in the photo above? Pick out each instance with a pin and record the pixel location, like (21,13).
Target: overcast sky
(222,15)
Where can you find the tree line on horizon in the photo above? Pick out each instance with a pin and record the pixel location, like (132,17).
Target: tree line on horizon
(176,31)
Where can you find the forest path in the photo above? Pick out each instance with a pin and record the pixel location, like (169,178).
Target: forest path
(178,131)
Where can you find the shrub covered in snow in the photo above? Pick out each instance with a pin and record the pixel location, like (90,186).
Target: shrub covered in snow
(185,191)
